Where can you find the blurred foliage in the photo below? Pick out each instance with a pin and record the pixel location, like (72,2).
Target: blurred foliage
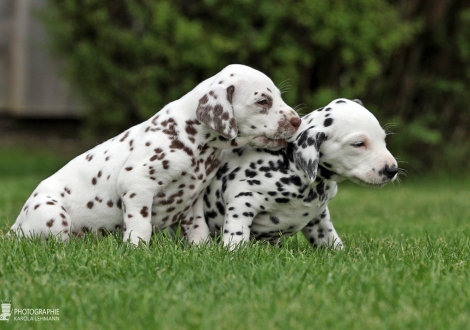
(409,61)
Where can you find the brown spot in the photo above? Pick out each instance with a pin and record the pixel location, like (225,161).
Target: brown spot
(94,181)
(132,195)
(165,164)
(131,142)
(37,206)
(177,144)
(128,168)
(110,203)
(204,99)
(144,211)
(220,82)
(124,137)
(89,157)
(190,127)
(119,203)
(269,90)
(99,200)
(50,223)
(89,205)
(65,223)
(99,174)
(62,195)
(106,159)
(35,194)
(50,203)
(147,143)
(67,190)
(129,215)
(230,90)
(231,75)
(62,216)
(154,119)
(191,186)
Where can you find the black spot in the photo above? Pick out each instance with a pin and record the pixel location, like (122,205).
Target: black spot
(328,122)
(220,207)
(274,219)
(244,194)
(250,174)
(211,214)
(254,182)
(282,200)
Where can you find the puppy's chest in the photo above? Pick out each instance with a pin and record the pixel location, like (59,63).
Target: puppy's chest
(173,201)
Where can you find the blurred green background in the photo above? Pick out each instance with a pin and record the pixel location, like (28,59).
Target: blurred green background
(408,61)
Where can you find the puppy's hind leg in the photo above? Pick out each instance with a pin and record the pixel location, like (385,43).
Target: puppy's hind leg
(43,216)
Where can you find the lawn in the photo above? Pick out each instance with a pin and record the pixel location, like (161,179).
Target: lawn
(405,266)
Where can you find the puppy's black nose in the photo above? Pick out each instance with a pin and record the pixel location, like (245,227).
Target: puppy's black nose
(391,171)
(295,121)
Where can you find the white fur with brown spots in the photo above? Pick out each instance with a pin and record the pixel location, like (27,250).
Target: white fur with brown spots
(150,176)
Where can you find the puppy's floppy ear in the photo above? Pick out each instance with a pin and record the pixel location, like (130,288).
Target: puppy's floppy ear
(306,152)
(215,109)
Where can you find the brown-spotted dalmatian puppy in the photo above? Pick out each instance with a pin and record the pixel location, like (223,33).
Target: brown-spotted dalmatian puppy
(150,176)
(270,195)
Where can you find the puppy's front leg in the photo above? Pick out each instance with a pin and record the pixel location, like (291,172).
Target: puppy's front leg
(137,209)
(320,231)
(239,215)
(194,224)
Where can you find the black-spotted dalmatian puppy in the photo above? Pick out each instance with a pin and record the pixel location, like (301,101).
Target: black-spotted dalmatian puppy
(270,195)
(150,176)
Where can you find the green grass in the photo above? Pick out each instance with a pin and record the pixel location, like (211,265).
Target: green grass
(405,266)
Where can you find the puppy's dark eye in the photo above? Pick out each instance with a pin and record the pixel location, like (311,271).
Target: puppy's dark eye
(262,102)
(358,144)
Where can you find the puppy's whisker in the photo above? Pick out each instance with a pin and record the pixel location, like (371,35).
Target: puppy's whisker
(299,107)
